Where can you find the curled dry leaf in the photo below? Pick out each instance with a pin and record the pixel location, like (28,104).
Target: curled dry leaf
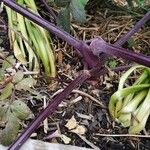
(73,126)
(79,130)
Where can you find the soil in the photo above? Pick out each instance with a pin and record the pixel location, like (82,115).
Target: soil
(96,120)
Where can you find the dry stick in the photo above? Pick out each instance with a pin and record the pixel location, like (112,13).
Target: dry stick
(123,135)
(88,142)
(83,94)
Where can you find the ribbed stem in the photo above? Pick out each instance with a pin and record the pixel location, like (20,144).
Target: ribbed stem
(98,46)
(135,29)
(48,110)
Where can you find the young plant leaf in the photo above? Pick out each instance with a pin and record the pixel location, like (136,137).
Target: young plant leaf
(7,91)
(6,64)
(2,74)
(63,19)
(18,77)
(25,84)
(20,109)
(3,110)
(9,133)
(77,10)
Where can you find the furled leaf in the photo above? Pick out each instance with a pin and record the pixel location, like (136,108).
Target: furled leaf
(18,76)
(18,53)
(62,3)
(7,91)
(25,84)
(63,19)
(20,109)
(72,123)
(77,10)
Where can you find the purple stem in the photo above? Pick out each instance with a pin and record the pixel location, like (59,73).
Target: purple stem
(135,29)
(21,139)
(98,46)
(90,59)
(122,68)
(49,9)
(48,110)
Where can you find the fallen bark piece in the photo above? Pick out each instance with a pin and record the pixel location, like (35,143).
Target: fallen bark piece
(40,145)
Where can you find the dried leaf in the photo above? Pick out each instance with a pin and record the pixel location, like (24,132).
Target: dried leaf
(65,139)
(72,123)
(79,130)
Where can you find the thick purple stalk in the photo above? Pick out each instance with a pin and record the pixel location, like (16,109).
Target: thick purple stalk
(98,46)
(135,29)
(79,45)
(122,68)
(48,110)
(53,105)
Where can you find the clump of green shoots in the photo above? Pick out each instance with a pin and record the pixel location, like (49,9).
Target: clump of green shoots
(130,105)
(33,42)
